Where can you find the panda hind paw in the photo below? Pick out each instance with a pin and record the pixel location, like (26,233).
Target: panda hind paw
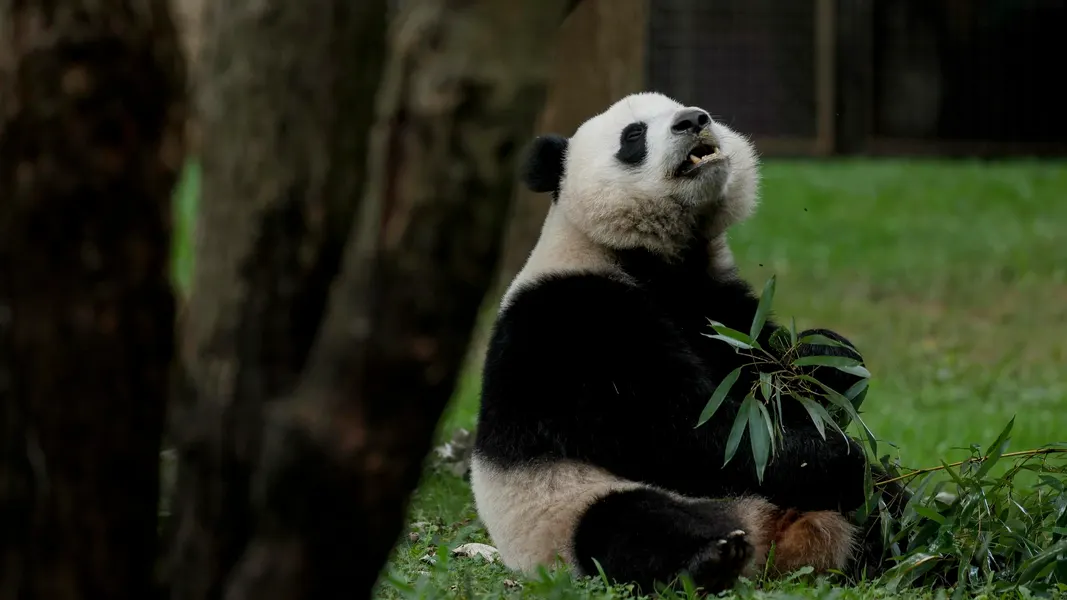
(717,566)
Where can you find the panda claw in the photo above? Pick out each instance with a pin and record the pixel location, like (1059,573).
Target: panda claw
(718,566)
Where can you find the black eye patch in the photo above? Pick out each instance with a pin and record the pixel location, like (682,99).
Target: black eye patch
(633,146)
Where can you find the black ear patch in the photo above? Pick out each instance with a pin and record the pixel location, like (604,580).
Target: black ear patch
(542,169)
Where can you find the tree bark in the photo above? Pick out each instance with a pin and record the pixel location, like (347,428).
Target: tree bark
(600,58)
(460,94)
(285,109)
(285,97)
(89,150)
(91,119)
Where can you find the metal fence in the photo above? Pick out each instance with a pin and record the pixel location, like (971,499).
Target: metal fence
(818,77)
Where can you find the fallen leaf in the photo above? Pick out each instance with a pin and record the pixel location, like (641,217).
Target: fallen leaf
(454,455)
(471,550)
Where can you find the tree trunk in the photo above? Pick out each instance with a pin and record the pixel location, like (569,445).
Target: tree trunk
(600,58)
(284,117)
(285,96)
(459,98)
(90,146)
(91,118)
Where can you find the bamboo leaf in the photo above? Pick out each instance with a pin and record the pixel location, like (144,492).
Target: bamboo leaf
(759,438)
(929,513)
(831,395)
(870,497)
(1033,567)
(729,340)
(954,475)
(770,425)
(841,363)
(913,568)
(718,396)
(732,333)
(915,501)
(763,309)
(857,393)
(738,429)
(995,450)
(818,414)
(765,384)
(778,406)
(856,389)
(839,400)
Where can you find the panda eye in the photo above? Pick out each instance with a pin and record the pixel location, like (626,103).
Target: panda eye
(634,133)
(632,144)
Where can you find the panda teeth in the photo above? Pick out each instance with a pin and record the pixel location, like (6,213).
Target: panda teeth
(693,158)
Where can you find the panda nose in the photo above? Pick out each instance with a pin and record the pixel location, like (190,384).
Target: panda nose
(690,120)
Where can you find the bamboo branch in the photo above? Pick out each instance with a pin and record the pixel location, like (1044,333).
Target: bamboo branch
(978,459)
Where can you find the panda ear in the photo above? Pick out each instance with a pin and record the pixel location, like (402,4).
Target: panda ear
(542,168)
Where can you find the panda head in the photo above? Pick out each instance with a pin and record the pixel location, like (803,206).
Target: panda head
(648,173)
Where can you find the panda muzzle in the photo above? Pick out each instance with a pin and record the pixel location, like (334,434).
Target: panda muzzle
(702,154)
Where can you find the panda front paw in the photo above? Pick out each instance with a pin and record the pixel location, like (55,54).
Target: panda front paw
(717,566)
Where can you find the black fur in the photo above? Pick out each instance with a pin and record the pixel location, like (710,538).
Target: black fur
(589,368)
(542,168)
(650,537)
(633,144)
(686,288)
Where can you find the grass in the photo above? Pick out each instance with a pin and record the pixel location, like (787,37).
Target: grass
(951,277)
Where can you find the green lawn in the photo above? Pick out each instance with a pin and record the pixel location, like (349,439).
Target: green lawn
(951,277)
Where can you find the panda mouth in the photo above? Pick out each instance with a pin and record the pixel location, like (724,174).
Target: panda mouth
(700,155)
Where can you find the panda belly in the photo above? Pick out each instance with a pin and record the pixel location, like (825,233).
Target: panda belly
(640,533)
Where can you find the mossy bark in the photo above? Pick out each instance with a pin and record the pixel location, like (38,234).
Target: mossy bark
(458,99)
(285,97)
(315,377)
(91,121)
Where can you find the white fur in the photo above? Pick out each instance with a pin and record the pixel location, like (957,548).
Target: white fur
(530,513)
(619,206)
(562,248)
(604,205)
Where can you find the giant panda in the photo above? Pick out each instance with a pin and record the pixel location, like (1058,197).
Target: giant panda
(598,367)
